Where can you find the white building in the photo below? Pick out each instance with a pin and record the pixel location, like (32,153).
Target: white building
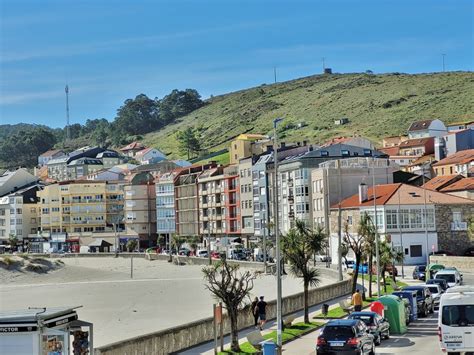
(427,128)
(149,155)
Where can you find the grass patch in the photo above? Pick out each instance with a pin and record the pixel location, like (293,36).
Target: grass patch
(222,159)
(289,333)
(338,312)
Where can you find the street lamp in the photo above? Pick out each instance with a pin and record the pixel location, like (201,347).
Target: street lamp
(277,234)
(377,251)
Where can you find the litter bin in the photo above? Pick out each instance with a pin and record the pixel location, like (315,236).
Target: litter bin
(394,313)
(269,347)
(377,307)
(411,297)
(325,309)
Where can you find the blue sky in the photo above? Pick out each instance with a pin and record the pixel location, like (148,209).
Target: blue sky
(108,51)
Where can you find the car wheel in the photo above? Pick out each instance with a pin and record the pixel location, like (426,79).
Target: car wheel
(387,335)
(372,351)
(378,339)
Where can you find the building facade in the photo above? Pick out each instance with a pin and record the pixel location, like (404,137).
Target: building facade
(165,205)
(246,196)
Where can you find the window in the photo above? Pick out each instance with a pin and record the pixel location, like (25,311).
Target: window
(349,220)
(404,219)
(457,217)
(324,153)
(391,216)
(415,251)
(416,219)
(247,222)
(262,191)
(458,315)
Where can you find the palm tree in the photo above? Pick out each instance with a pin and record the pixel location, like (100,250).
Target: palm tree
(367,230)
(298,247)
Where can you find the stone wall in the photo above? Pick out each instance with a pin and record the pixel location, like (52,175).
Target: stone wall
(192,334)
(462,263)
(455,242)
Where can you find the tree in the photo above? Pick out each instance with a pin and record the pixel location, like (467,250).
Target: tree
(179,103)
(13,241)
(188,142)
(387,257)
(366,229)
(356,243)
(298,247)
(231,288)
(138,116)
(132,244)
(24,147)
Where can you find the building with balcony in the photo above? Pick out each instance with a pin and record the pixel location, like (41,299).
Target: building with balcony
(187,199)
(246,195)
(295,180)
(212,202)
(417,220)
(165,205)
(140,209)
(335,180)
(19,215)
(79,211)
(232,201)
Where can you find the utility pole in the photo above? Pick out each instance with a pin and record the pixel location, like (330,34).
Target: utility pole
(68,133)
(277,235)
(324,64)
(339,221)
(275,74)
(443,55)
(399,221)
(377,250)
(425,219)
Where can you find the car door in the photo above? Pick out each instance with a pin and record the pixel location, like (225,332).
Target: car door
(365,337)
(428,298)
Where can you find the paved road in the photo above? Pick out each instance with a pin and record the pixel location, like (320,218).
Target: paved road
(421,337)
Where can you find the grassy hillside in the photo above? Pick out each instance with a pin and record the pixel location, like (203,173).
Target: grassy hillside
(377,106)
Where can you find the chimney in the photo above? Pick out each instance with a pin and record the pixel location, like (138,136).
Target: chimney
(363,193)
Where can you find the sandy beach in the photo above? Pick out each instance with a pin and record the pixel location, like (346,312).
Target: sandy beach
(161,295)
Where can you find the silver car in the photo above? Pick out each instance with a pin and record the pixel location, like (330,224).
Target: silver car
(436,292)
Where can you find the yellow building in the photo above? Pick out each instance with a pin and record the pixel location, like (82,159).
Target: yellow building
(80,208)
(245,145)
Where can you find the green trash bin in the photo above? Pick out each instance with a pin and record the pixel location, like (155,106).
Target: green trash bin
(394,313)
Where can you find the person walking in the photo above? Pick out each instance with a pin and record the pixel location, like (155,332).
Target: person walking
(262,312)
(254,310)
(357,301)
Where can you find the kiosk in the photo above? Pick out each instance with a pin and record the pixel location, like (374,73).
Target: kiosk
(45,331)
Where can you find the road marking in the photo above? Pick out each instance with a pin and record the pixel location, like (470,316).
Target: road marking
(95,282)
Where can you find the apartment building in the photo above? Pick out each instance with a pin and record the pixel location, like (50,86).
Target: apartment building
(246,195)
(232,213)
(18,215)
(186,199)
(140,209)
(11,181)
(72,213)
(335,180)
(295,180)
(246,145)
(417,147)
(212,202)
(417,220)
(458,163)
(165,205)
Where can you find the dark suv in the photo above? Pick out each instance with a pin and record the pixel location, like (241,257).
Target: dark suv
(441,282)
(424,300)
(419,272)
(346,336)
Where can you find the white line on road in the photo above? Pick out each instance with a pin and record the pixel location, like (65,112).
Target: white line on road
(95,282)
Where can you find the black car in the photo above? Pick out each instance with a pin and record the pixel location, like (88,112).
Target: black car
(424,300)
(345,336)
(377,325)
(419,273)
(441,282)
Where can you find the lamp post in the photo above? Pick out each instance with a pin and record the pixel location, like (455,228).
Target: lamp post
(277,234)
(425,220)
(377,252)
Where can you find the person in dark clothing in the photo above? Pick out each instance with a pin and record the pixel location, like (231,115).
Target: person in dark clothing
(253,309)
(262,311)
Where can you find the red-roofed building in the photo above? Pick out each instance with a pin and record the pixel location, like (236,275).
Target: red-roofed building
(462,187)
(427,128)
(50,154)
(417,147)
(132,149)
(417,220)
(440,182)
(354,141)
(458,163)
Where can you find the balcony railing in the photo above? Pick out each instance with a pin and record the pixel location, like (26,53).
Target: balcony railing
(459,226)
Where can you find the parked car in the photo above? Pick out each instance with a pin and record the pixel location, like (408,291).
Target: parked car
(377,325)
(452,276)
(350,263)
(436,292)
(363,268)
(424,300)
(202,253)
(345,336)
(419,272)
(215,255)
(441,282)
(184,252)
(442,252)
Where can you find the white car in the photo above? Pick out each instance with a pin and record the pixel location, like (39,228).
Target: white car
(452,277)
(436,292)
(456,320)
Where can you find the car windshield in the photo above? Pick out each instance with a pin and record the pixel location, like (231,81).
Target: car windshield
(338,332)
(421,268)
(368,320)
(433,289)
(447,277)
(458,315)
(419,292)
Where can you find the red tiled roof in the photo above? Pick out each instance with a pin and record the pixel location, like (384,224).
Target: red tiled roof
(383,193)
(133,146)
(390,150)
(50,152)
(335,140)
(461,157)
(439,182)
(417,142)
(420,125)
(460,185)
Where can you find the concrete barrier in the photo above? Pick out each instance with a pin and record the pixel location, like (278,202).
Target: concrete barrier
(188,335)
(462,263)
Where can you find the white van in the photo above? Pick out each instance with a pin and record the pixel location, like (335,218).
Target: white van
(456,320)
(452,277)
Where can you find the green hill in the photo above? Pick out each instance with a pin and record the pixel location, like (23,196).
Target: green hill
(376,105)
